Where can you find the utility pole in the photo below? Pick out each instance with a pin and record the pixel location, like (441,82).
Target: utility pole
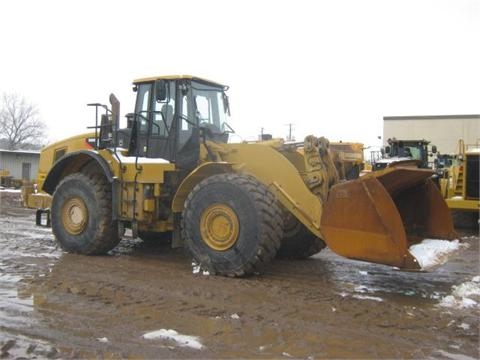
(289,136)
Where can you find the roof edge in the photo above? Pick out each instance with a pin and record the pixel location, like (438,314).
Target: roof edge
(178,77)
(432,117)
(33,152)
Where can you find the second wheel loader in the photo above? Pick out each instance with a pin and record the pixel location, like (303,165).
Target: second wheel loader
(233,206)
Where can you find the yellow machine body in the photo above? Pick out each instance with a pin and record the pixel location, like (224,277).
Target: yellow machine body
(460,185)
(375,218)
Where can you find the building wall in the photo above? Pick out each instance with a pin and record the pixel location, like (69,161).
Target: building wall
(443,131)
(14,161)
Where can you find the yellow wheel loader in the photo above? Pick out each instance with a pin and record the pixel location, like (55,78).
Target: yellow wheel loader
(460,185)
(233,206)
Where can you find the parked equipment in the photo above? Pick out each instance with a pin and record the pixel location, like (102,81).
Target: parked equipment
(233,206)
(460,184)
(415,151)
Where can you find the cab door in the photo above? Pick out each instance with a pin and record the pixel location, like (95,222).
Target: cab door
(155,130)
(166,124)
(142,119)
(162,129)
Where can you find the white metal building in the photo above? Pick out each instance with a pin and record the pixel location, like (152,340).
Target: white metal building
(444,131)
(22,164)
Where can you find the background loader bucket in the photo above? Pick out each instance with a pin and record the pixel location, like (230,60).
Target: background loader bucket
(377,217)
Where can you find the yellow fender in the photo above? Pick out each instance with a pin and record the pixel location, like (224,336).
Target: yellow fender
(203,171)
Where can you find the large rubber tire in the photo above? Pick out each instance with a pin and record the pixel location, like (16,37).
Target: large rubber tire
(232,225)
(82,215)
(298,242)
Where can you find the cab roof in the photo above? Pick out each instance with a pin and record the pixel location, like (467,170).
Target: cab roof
(179,77)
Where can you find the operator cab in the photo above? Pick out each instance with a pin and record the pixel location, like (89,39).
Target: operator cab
(174,114)
(403,150)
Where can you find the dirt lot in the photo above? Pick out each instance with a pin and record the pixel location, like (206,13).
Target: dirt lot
(145,301)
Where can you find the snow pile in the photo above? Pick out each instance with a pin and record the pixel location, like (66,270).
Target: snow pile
(432,252)
(466,295)
(182,340)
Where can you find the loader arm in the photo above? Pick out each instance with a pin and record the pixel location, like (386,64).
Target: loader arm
(375,218)
(283,179)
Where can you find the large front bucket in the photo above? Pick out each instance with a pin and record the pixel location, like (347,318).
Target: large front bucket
(377,217)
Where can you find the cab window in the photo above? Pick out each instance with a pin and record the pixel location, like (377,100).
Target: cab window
(163,114)
(142,107)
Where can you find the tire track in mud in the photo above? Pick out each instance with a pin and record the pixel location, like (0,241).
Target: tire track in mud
(280,312)
(100,306)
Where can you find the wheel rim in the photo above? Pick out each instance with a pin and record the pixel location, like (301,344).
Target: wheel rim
(74,216)
(219,227)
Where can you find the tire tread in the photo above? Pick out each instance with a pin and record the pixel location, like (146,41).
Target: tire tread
(271,223)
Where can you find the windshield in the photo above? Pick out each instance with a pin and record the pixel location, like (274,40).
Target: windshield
(415,152)
(211,106)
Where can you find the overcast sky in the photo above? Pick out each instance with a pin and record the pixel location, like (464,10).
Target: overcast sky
(331,68)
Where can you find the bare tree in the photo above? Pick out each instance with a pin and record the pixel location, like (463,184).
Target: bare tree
(20,125)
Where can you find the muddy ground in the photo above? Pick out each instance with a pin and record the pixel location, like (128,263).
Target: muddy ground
(58,305)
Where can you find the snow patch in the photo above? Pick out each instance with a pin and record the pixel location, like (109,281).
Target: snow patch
(140,160)
(44,255)
(431,253)
(365,289)
(169,334)
(465,295)
(467,289)
(10,190)
(197,269)
(103,340)
(7,278)
(448,355)
(453,302)
(366,297)
(361,289)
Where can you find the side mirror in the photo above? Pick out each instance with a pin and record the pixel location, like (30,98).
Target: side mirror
(434,149)
(161,90)
(226,104)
